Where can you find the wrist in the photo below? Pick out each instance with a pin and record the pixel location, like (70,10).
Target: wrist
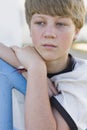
(37,69)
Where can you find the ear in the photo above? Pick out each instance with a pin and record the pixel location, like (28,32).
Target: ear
(76,34)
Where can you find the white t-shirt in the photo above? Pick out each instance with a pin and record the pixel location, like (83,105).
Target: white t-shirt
(72,87)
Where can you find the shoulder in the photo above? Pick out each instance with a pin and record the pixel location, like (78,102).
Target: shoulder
(80,61)
(81,64)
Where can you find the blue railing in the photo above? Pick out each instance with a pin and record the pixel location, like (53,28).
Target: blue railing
(9,78)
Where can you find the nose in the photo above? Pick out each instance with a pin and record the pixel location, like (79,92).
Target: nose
(50,32)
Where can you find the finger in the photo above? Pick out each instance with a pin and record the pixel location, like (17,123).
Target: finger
(54,90)
(52,87)
(50,93)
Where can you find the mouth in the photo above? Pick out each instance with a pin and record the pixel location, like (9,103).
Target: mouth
(49,46)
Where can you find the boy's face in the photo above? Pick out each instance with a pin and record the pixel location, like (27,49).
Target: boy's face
(52,36)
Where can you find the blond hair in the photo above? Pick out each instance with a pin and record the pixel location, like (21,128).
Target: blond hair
(74,9)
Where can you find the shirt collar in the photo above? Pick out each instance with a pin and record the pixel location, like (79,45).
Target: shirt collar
(69,67)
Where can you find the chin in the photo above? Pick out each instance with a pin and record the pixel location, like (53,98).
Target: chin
(48,59)
(47,56)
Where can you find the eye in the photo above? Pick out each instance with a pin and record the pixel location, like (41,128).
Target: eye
(60,24)
(41,23)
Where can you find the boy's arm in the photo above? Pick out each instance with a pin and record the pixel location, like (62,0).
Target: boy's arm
(38,111)
(7,54)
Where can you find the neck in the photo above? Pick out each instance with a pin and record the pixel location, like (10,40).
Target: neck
(57,65)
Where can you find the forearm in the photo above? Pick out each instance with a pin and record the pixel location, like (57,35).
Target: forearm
(38,114)
(8,55)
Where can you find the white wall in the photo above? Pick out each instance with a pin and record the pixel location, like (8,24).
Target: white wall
(10,22)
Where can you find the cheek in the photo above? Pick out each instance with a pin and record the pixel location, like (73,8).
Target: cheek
(69,34)
(66,40)
(34,37)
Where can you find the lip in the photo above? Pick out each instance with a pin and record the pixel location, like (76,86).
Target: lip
(49,45)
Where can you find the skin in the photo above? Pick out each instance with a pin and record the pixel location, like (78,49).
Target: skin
(8,55)
(52,38)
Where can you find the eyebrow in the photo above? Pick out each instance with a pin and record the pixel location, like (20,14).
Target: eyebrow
(57,17)
(38,17)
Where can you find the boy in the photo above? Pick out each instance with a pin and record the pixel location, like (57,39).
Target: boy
(54,25)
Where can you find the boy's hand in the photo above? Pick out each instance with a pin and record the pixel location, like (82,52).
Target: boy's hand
(28,57)
(51,88)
